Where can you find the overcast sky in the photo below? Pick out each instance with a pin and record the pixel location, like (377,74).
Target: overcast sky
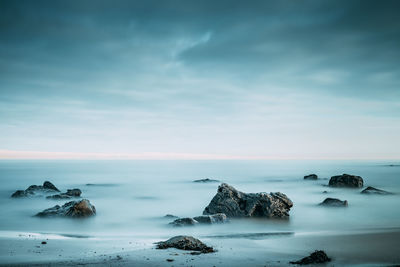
(205,79)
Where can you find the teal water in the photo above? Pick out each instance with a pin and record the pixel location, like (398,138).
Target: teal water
(131,197)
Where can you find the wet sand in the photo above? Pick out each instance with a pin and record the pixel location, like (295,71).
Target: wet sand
(372,248)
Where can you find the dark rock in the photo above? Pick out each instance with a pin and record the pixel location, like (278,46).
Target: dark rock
(170,216)
(67,195)
(211,219)
(319,256)
(372,190)
(311,177)
(234,203)
(325,192)
(346,180)
(44,242)
(46,188)
(334,202)
(207,180)
(184,222)
(170,260)
(185,243)
(73,209)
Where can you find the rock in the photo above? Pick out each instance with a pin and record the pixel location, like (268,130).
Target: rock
(170,260)
(234,203)
(184,222)
(185,243)
(44,242)
(67,195)
(311,177)
(325,192)
(207,180)
(211,219)
(73,209)
(319,256)
(346,180)
(334,202)
(170,216)
(47,187)
(372,190)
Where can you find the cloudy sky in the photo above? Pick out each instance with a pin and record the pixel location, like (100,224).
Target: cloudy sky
(200,79)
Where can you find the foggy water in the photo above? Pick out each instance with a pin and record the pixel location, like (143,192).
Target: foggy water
(131,197)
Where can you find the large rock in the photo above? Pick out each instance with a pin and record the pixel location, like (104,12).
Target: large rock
(334,202)
(346,180)
(32,190)
(311,177)
(319,256)
(185,243)
(234,203)
(71,193)
(375,191)
(72,209)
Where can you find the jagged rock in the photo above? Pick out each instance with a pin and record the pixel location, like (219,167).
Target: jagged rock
(346,180)
(185,243)
(234,203)
(67,195)
(334,202)
(207,180)
(211,219)
(184,222)
(311,177)
(375,191)
(73,209)
(319,256)
(46,188)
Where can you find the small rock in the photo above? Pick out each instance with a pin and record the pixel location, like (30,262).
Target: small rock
(170,260)
(319,256)
(185,243)
(346,180)
(207,180)
(170,216)
(211,219)
(73,209)
(376,191)
(311,177)
(44,242)
(334,202)
(67,195)
(184,222)
(325,192)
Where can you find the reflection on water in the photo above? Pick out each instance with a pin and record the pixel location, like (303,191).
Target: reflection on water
(131,197)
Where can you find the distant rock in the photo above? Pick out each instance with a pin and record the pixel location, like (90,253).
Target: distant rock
(234,203)
(346,180)
(32,190)
(184,222)
(72,209)
(185,243)
(372,190)
(212,219)
(170,216)
(71,193)
(325,192)
(207,180)
(311,177)
(334,202)
(319,256)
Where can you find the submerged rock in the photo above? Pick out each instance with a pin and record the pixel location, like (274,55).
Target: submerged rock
(319,256)
(184,222)
(234,203)
(346,180)
(46,188)
(211,219)
(185,243)
(334,202)
(372,190)
(207,180)
(170,216)
(67,195)
(73,209)
(311,177)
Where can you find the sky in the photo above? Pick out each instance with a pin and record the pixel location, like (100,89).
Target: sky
(200,79)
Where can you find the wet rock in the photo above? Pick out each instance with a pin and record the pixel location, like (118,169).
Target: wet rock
(212,219)
(72,209)
(234,203)
(372,190)
(185,243)
(319,256)
(32,190)
(334,202)
(311,177)
(346,180)
(170,216)
(184,222)
(71,193)
(207,180)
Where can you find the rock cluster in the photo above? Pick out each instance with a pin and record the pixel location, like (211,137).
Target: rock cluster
(234,203)
(32,190)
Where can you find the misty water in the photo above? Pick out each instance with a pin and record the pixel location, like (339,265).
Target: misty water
(132,197)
